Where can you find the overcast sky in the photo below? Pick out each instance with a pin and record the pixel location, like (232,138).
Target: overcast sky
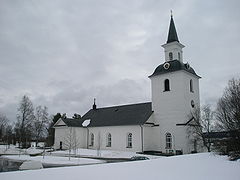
(64,53)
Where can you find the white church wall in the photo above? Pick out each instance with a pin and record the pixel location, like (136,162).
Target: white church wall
(165,101)
(173,107)
(174,48)
(151,133)
(81,137)
(119,138)
(191,95)
(59,136)
(150,142)
(63,134)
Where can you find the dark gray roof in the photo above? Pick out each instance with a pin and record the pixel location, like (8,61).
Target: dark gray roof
(220,135)
(70,122)
(172,34)
(175,65)
(132,114)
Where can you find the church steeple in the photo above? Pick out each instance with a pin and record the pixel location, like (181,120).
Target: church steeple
(173,48)
(172,33)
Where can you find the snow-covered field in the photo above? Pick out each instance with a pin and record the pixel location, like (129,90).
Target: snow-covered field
(103,153)
(79,152)
(55,160)
(11,150)
(14,150)
(79,157)
(201,166)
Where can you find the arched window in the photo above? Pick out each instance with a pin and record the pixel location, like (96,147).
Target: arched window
(191,86)
(91,139)
(170,56)
(109,140)
(129,140)
(60,145)
(166,85)
(179,56)
(168,141)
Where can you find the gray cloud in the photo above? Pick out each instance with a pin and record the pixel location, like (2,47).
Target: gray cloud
(64,53)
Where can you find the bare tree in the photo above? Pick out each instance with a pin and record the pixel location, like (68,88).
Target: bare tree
(41,123)
(207,125)
(9,136)
(3,125)
(201,125)
(99,144)
(70,141)
(228,107)
(228,114)
(25,118)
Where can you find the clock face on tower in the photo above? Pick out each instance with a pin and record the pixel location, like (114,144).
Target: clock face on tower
(166,65)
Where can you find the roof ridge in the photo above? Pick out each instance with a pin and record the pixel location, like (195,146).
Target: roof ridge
(115,106)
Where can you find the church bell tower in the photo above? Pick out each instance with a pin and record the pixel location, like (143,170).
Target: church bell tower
(175,94)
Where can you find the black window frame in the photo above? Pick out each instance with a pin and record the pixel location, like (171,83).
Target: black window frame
(129,140)
(109,140)
(170,54)
(168,141)
(166,85)
(191,85)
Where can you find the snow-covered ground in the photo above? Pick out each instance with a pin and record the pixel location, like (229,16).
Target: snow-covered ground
(14,150)
(33,150)
(10,150)
(185,167)
(79,152)
(82,156)
(103,153)
(55,160)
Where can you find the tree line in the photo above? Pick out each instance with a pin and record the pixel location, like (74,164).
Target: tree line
(219,129)
(33,124)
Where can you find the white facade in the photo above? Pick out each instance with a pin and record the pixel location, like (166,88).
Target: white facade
(63,136)
(119,138)
(174,107)
(141,137)
(176,49)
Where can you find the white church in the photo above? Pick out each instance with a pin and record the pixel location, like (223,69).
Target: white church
(158,126)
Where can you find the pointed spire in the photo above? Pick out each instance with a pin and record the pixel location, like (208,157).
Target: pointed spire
(172,33)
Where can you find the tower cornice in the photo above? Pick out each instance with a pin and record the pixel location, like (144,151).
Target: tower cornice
(172,44)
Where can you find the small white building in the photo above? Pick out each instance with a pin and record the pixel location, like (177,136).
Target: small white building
(160,125)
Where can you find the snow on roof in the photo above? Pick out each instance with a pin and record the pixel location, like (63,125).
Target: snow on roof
(86,122)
